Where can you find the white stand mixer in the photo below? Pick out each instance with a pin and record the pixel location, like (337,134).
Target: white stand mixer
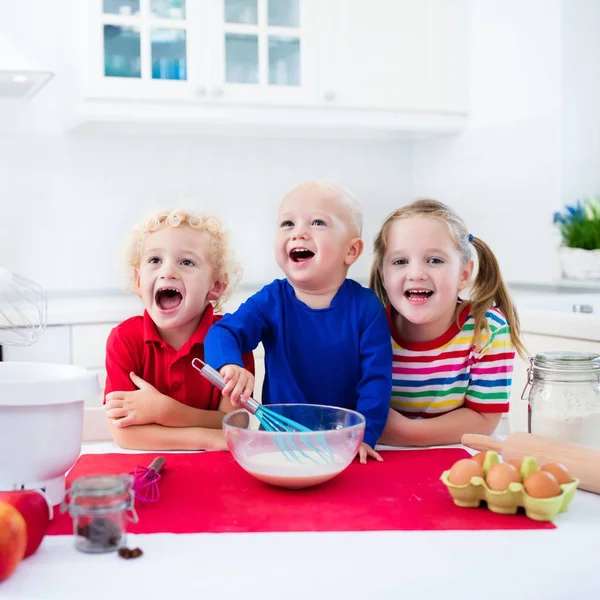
(41,404)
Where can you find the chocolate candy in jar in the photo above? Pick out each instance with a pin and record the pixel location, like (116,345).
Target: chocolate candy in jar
(564,396)
(100,506)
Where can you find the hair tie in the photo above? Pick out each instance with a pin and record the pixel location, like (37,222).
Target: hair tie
(470,238)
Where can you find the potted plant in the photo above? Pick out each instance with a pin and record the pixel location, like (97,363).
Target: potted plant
(579,252)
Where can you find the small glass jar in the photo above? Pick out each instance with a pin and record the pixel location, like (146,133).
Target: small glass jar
(564,398)
(99,505)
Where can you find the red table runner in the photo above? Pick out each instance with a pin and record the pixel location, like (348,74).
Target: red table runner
(210,492)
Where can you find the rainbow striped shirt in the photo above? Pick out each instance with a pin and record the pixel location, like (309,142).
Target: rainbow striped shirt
(432,378)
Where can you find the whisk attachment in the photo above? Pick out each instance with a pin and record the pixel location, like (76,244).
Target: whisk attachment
(145,480)
(23,310)
(276,423)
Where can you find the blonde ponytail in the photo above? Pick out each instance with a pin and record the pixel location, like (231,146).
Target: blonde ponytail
(489,290)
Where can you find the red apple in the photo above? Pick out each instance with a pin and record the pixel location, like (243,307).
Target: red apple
(34,507)
(13,539)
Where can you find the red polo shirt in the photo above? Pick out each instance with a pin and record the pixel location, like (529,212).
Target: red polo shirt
(135,345)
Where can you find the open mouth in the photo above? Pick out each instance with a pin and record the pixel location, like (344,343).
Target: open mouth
(418,295)
(168,298)
(301,254)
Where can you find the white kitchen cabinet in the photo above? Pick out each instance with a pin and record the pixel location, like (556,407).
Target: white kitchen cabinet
(263,51)
(535,344)
(130,50)
(200,51)
(305,67)
(395,54)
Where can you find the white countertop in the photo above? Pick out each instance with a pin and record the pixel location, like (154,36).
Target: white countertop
(442,565)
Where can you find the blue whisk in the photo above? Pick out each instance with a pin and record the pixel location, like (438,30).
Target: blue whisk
(271,421)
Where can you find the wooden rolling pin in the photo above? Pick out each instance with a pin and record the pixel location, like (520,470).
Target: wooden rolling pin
(582,462)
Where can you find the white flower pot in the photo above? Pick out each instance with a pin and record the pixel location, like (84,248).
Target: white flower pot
(577,263)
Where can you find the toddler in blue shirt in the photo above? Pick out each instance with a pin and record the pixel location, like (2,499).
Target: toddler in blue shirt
(326,337)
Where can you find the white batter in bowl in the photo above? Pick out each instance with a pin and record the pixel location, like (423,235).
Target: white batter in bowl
(296,460)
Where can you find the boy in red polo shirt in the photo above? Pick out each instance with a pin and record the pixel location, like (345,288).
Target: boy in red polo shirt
(183,269)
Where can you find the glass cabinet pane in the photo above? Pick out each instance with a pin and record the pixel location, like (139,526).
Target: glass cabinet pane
(168,9)
(241,11)
(122,51)
(241,58)
(284,13)
(169,56)
(284,60)
(125,8)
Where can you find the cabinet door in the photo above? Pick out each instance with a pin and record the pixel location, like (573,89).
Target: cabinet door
(144,49)
(54,346)
(394,54)
(263,51)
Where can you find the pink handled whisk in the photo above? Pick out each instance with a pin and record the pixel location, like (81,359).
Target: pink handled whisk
(145,480)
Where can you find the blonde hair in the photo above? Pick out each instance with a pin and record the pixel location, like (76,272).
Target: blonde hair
(227,268)
(353,205)
(488,289)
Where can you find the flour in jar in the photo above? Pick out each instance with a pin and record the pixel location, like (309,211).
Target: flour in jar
(274,468)
(567,413)
(579,430)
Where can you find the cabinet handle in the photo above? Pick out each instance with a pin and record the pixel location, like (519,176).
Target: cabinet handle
(329,95)
(201,91)
(217,92)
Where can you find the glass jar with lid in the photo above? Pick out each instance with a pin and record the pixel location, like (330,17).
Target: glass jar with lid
(564,396)
(99,506)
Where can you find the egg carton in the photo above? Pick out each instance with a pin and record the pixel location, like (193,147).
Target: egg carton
(510,500)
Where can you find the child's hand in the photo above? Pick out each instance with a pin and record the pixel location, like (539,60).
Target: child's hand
(366,450)
(239,383)
(140,407)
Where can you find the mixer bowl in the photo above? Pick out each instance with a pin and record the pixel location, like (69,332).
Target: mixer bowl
(41,424)
(336,435)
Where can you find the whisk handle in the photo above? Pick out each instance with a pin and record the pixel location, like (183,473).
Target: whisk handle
(157,464)
(209,373)
(215,378)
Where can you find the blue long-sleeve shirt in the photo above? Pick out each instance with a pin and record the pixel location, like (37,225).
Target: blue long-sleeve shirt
(339,356)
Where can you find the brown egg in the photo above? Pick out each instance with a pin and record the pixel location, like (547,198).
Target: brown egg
(560,472)
(479,457)
(516,463)
(464,470)
(542,484)
(501,475)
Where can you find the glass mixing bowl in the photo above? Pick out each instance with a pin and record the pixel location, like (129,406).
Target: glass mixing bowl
(295,459)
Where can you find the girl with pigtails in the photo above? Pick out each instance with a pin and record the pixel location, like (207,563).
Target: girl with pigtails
(453,357)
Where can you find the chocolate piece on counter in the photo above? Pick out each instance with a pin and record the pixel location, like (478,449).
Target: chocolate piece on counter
(127,553)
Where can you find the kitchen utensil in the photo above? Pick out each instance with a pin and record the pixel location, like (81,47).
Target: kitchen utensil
(22,310)
(583,463)
(274,422)
(41,424)
(258,451)
(145,480)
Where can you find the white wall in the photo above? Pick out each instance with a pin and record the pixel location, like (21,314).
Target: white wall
(67,201)
(504,173)
(581,99)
